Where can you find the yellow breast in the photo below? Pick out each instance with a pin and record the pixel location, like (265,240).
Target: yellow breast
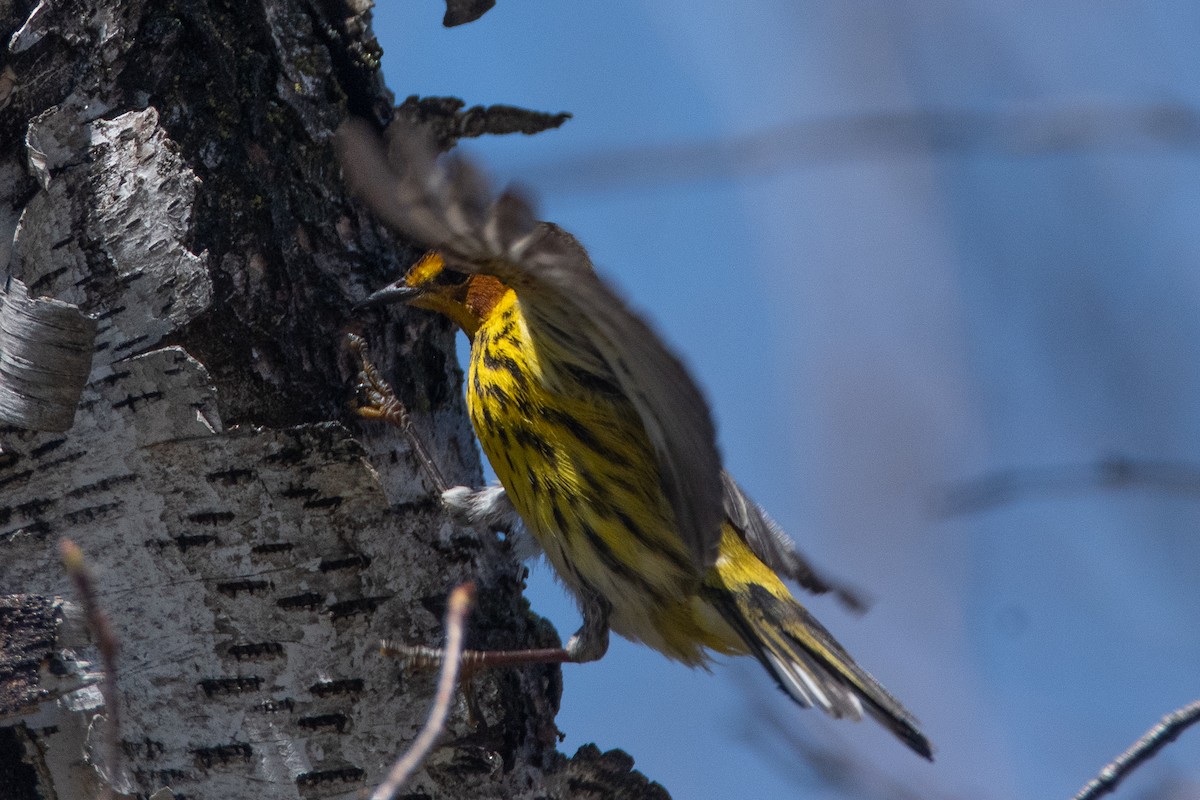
(577,464)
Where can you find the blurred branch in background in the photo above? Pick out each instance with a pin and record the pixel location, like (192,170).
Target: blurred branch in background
(1023,131)
(1115,472)
(781,737)
(1166,731)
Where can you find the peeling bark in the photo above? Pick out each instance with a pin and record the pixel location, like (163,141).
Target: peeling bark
(45,358)
(166,168)
(446,122)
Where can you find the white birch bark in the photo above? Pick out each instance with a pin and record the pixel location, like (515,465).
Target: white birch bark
(168,171)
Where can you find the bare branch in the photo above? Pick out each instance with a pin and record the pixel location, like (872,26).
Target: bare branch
(1114,472)
(1166,731)
(1028,131)
(415,656)
(456,614)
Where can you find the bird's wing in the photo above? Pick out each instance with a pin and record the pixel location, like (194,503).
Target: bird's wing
(447,205)
(769,542)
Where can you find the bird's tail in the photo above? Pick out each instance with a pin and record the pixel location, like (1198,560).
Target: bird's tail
(807,662)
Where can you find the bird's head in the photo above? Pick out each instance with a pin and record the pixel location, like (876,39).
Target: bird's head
(468,299)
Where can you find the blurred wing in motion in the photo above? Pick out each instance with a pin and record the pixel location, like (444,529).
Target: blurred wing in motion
(448,206)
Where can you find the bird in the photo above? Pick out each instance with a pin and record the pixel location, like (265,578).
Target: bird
(603,444)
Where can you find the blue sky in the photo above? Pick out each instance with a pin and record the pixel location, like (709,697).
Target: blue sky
(875,324)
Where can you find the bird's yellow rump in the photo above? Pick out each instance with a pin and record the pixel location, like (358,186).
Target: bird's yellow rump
(603,444)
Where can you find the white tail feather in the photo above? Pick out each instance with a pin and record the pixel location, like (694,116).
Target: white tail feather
(810,685)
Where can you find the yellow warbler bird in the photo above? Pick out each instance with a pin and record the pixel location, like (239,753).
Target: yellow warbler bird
(604,447)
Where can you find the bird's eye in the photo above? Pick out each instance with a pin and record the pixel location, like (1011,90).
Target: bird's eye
(448,277)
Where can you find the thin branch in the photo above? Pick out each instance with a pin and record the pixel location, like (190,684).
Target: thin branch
(415,656)
(1166,731)
(1114,472)
(402,770)
(1016,131)
(106,642)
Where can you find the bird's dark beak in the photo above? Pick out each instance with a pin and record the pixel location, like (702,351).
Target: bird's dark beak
(393,293)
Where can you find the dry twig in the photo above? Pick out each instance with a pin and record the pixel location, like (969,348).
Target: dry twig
(402,770)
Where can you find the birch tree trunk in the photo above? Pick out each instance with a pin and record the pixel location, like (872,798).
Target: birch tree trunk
(166,169)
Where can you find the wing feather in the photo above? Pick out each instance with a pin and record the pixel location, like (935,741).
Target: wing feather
(767,540)
(448,206)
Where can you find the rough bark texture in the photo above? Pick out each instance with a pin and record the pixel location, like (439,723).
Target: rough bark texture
(166,167)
